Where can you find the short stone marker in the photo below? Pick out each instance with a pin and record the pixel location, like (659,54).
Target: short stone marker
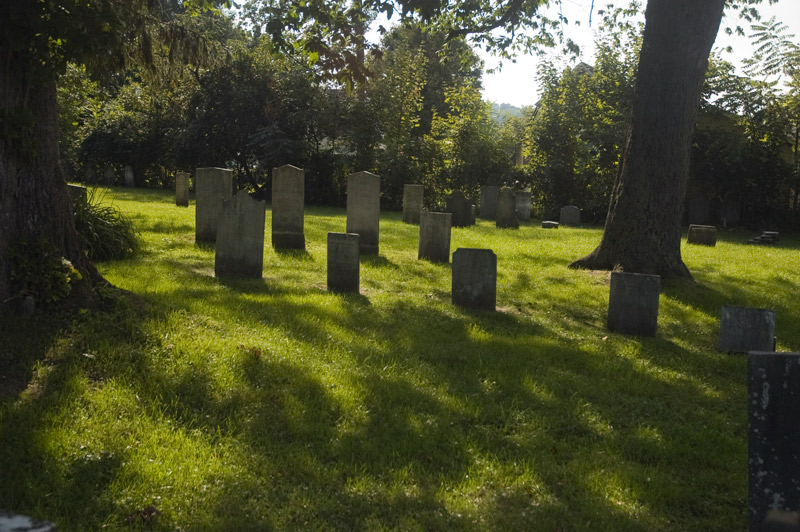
(460,208)
(506,214)
(489,202)
(343,262)
(412,203)
(704,235)
(240,237)
(570,215)
(766,237)
(523,206)
(549,225)
(212,186)
(288,202)
(434,236)
(364,209)
(633,303)
(474,281)
(773,435)
(78,193)
(181,189)
(130,180)
(743,329)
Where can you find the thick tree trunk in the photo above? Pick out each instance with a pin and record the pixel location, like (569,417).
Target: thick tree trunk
(643,227)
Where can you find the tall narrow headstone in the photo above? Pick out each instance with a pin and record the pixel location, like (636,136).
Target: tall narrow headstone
(570,215)
(130,181)
(288,201)
(705,235)
(240,237)
(343,262)
(488,206)
(773,435)
(473,211)
(412,203)
(633,303)
(364,209)
(108,175)
(743,329)
(474,281)
(460,208)
(524,206)
(78,193)
(181,189)
(212,187)
(506,215)
(434,236)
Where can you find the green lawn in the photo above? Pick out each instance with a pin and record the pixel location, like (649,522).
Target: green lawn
(204,404)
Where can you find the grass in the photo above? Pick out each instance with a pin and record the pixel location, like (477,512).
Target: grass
(207,404)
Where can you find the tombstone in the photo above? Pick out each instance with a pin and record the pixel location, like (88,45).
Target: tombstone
(240,237)
(699,210)
(343,262)
(489,202)
(474,281)
(182,189)
(434,236)
(460,208)
(212,187)
(473,212)
(364,209)
(78,193)
(570,215)
(108,175)
(506,213)
(731,211)
(633,303)
(704,235)
(11,522)
(412,203)
(773,437)
(524,206)
(547,224)
(743,329)
(91,175)
(288,202)
(130,181)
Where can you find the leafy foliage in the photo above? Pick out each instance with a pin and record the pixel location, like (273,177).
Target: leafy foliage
(38,270)
(106,233)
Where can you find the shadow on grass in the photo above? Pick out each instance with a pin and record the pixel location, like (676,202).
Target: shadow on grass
(296,254)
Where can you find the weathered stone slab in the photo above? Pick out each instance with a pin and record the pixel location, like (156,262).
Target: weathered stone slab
(434,236)
(489,202)
(181,189)
(570,215)
(743,329)
(130,180)
(633,303)
(288,202)
(506,213)
(240,237)
(773,435)
(524,206)
(549,225)
(343,262)
(474,278)
(212,187)
(412,203)
(705,235)
(460,208)
(364,209)
(77,193)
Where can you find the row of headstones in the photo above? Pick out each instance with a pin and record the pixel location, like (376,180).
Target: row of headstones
(706,235)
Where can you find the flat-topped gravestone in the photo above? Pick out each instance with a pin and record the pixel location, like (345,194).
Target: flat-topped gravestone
(181,189)
(705,235)
(434,236)
(364,209)
(773,436)
(633,303)
(549,225)
(570,215)
(506,214)
(460,208)
(78,193)
(743,329)
(343,262)
(474,281)
(212,187)
(130,180)
(412,203)
(489,202)
(524,206)
(288,202)
(240,237)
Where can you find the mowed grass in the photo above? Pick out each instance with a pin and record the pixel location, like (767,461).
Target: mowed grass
(208,404)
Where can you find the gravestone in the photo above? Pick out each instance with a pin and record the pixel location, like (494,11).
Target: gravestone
(240,237)
(489,202)
(474,278)
(705,235)
(473,212)
(130,181)
(212,187)
(524,206)
(288,202)
(633,303)
(743,329)
(570,215)
(77,193)
(699,210)
(343,262)
(364,209)
(773,436)
(547,224)
(181,189)
(412,203)
(108,175)
(434,236)
(460,208)
(506,214)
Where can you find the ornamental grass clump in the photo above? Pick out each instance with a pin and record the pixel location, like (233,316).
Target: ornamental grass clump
(107,234)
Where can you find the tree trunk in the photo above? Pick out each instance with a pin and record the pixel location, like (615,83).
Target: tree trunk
(643,227)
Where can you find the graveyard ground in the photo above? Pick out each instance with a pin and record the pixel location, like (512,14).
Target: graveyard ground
(200,404)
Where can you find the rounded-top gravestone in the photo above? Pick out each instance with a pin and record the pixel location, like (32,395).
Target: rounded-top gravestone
(488,206)
(570,215)
(288,202)
(213,186)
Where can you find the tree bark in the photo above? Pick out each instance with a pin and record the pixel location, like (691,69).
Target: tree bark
(643,227)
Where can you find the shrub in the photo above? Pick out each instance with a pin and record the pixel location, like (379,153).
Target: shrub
(107,234)
(38,270)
